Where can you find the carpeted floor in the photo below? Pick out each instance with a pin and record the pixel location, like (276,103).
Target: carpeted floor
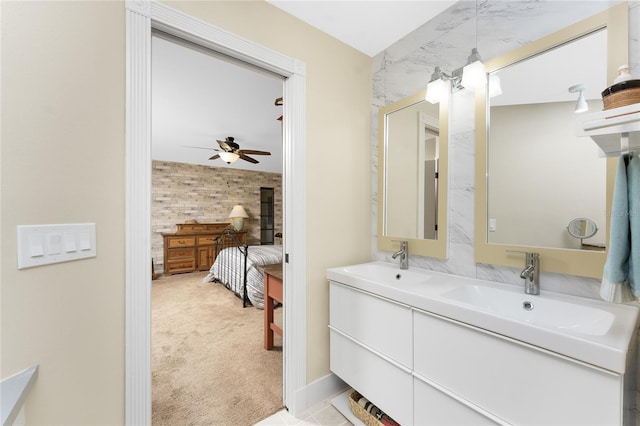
(209,366)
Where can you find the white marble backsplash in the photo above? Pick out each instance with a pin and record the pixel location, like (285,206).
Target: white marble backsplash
(404,68)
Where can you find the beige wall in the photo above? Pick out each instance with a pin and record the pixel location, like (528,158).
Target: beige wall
(63,87)
(63,162)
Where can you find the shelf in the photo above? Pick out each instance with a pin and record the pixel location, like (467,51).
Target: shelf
(616,131)
(341,403)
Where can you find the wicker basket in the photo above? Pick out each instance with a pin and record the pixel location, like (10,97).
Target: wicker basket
(366,417)
(621,94)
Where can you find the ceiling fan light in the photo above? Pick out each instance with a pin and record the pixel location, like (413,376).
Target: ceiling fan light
(229,157)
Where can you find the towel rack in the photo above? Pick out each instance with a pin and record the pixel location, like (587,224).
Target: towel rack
(616,131)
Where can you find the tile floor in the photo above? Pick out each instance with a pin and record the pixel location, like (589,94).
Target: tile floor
(323,414)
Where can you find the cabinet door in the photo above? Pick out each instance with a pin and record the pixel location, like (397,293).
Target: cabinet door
(433,407)
(512,380)
(205,256)
(378,323)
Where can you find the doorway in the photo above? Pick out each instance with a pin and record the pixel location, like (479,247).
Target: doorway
(205,358)
(141,18)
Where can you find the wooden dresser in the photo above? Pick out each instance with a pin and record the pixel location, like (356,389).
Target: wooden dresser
(192,247)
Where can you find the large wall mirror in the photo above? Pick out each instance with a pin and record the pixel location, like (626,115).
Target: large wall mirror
(412,176)
(539,187)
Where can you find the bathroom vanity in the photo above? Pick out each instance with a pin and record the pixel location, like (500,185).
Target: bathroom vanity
(435,349)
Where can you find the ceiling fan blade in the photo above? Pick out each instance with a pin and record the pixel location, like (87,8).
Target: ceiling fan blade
(253,152)
(249,159)
(224,145)
(215,157)
(198,147)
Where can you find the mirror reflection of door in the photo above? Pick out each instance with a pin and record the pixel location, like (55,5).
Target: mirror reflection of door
(411,166)
(428,176)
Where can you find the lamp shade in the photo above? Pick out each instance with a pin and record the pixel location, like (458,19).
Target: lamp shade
(238,211)
(473,74)
(237,216)
(436,91)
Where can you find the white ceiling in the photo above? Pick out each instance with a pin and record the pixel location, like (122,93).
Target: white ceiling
(199,97)
(368,26)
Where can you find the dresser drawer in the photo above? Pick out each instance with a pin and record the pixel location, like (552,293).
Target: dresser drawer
(181,253)
(175,266)
(188,228)
(384,383)
(206,240)
(173,242)
(378,323)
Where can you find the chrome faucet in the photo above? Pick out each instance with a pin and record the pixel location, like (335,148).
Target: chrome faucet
(403,253)
(531,274)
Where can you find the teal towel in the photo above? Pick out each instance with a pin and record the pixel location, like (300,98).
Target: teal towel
(621,275)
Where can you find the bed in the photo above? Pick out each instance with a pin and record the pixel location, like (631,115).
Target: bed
(237,267)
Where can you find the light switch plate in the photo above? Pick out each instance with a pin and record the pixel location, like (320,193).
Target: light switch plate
(46,244)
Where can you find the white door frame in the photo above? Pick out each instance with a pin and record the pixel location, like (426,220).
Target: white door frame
(141,17)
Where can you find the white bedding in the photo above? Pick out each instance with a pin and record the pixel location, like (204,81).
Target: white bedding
(226,266)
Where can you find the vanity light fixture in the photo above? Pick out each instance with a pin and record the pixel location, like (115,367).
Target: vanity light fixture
(581,104)
(473,74)
(229,157)
(437,87)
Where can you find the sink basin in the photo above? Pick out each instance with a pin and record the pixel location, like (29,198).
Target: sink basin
(543,312)
(387,272)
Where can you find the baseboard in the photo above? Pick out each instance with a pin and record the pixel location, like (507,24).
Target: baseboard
(318,391)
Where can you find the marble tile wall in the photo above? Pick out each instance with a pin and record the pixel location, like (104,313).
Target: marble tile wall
(404,68)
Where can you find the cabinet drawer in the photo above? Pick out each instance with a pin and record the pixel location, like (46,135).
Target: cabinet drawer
(382,382)
(173,242)
(181,253)
(187,265)
(378,323)
(433,407)
(482,368)
(206,240)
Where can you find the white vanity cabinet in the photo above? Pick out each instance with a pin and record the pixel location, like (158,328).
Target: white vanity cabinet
(425,369)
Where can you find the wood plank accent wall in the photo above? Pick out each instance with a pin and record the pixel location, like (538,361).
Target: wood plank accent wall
(181,192)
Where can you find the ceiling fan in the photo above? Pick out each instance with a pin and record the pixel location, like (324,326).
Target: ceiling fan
(230,151)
